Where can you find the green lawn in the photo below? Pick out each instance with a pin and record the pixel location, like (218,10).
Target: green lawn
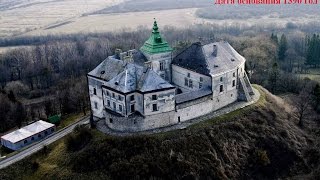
(69,119)
(314,74)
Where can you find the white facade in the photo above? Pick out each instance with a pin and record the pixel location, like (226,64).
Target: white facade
(27,135)
(153,89)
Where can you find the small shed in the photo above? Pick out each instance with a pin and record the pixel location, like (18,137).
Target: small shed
(54,119)
(27,135)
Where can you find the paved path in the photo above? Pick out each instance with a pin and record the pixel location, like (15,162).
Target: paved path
(101,126)
(39,145)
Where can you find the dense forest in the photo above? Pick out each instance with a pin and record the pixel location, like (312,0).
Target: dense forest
(54,67)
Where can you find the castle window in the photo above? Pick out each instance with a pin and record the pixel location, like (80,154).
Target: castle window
(233,83)
(120,108)
(154,107)
(110,120)
(132,108)
(132,98)
(39,136)
(221,79)
(95,105)
(108,94)
(113,95)
(120,98)
(234,74)
(186,82)
(221,88)
(200,85)
(94,91)
(162,66)
(25,141)
(201,79)
(108,103)
(188,74)
(190,83)
(179,119)
(114,106)
(154,97)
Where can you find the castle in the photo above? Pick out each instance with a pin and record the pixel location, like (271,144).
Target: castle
(148,88)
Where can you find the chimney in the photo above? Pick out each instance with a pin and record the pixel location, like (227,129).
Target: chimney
(215,50)
(117,53)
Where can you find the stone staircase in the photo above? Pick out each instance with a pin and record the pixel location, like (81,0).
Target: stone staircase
(246,90)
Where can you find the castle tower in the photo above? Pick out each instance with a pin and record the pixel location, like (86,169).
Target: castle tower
(158,53)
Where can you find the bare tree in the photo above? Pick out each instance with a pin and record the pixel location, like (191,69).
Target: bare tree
(303,104)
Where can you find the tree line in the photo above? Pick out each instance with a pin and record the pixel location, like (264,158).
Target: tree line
(56,67)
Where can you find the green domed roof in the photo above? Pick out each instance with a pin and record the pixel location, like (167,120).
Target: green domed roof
(155,44)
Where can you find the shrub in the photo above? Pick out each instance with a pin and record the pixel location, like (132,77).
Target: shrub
(78,139)
(262,157)
(34,165)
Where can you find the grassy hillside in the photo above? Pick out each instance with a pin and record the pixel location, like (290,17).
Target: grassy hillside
(258,142)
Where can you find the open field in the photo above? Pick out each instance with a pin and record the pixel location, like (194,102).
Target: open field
(179,18)
(46,17)
(313,74)
(21,16)
(3,50)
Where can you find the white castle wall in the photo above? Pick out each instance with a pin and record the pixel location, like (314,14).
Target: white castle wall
(165,102)
(139,123)
(96,100)
(178,78)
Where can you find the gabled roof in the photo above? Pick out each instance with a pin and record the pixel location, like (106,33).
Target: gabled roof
(108,69)
(112,66)
(202,59)
(137,78)
(127,80)
(193,59)
(27,131)
(153,81)
(155,43)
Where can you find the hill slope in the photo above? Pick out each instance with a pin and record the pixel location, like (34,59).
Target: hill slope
(257,142)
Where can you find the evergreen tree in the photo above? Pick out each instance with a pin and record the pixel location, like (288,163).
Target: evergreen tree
(274,76)
(283,46)
(274,38)
(316,93)
(313,50)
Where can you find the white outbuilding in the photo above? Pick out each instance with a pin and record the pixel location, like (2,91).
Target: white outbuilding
(27,135)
